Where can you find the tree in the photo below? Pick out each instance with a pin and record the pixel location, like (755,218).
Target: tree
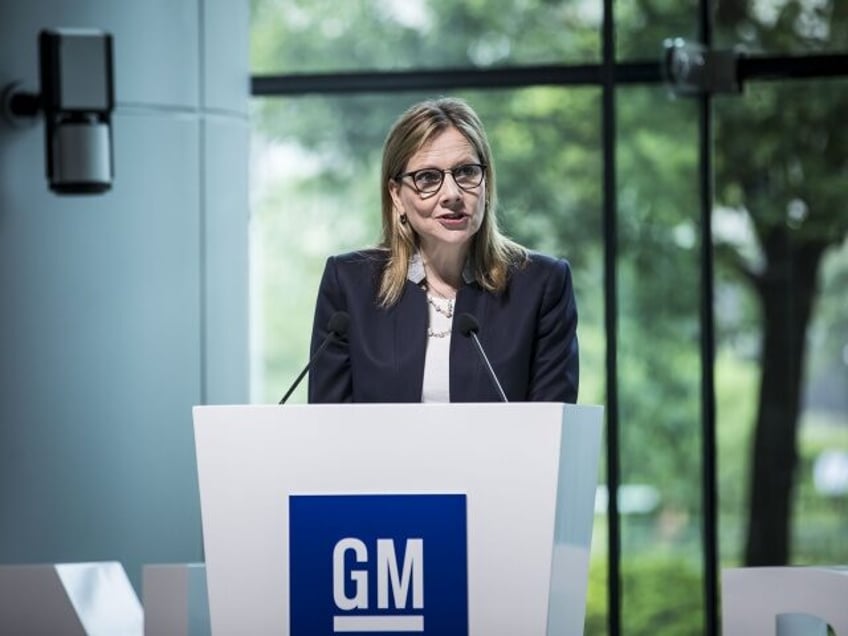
(547,144)
(781,161)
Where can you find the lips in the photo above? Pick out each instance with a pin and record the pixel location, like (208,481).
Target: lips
(455,216)
(453,221)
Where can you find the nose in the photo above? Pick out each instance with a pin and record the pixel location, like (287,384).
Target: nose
(449,191)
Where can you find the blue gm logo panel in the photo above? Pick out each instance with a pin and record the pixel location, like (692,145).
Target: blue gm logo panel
(378,564)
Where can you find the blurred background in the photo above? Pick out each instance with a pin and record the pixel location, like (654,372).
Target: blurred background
(330,78)
(704,217)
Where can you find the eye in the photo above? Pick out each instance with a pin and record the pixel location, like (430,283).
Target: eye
(426,178)
(469,170)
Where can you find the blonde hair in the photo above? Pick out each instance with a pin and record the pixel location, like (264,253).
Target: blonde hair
(492,253)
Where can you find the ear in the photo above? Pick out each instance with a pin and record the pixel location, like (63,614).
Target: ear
(394,190)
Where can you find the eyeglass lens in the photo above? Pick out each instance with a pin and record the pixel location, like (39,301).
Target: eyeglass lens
(430,179)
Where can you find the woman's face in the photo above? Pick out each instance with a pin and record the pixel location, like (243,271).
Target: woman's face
(451,215)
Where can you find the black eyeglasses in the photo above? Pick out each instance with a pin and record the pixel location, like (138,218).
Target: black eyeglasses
(429,180)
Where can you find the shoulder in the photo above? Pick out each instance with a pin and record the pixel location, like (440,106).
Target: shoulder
(543,266)
(357,271)
(541,277)
(370,262)
(369,258)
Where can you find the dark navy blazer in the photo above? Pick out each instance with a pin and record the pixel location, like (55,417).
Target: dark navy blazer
(528,332)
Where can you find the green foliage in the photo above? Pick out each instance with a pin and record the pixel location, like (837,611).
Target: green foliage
(820,529)
(642,25)
(297,36)
(786,178)
(780,162)
(660,595)
(780,158)
(780,149)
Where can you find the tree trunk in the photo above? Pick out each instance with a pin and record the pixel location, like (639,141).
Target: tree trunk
(787,290)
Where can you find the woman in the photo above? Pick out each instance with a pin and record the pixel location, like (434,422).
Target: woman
(442,256)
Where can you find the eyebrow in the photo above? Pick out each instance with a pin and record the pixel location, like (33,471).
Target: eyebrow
(462,162)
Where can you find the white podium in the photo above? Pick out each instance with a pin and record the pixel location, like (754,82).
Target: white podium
(784,600)
(420,518)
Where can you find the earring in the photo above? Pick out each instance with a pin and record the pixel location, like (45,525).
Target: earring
(403,218)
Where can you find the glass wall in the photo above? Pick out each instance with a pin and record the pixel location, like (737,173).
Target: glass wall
(316,192)
(779,233)
(659,375)
(366,35)
(779,238)
(642,25)
(782,312)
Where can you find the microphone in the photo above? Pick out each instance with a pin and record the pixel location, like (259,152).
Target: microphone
(336,328)
(468,326)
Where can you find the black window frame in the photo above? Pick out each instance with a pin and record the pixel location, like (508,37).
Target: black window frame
(608,74)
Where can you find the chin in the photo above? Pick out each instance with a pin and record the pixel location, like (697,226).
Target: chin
(456,236)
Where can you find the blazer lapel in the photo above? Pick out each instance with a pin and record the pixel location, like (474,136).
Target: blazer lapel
(466,369)
(410,343)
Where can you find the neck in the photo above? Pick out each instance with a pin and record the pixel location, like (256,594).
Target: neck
(444,266)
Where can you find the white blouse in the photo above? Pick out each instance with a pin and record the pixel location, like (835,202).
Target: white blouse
(436,386)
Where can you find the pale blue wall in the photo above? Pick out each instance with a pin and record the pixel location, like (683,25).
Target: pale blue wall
(120,312)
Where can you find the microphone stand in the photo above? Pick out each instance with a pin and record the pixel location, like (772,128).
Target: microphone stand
(468,326)
(488,365)
(336,328)
(317,353)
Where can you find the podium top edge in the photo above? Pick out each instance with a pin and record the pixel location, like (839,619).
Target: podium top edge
(408,405)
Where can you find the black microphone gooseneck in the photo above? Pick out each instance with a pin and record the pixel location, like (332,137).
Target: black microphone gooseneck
(336,328)
(468,326)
